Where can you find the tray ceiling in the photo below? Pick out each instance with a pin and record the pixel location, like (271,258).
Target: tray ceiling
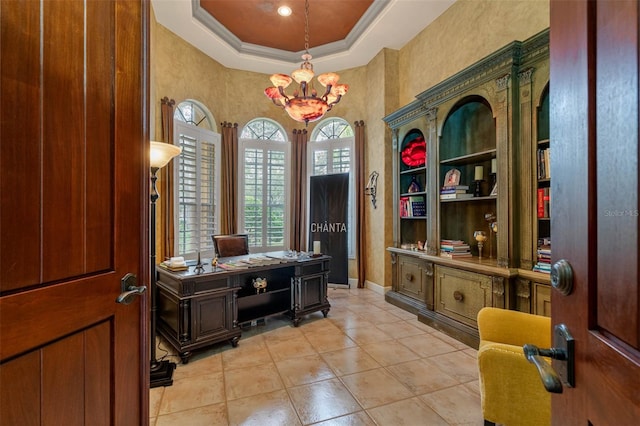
(250,35)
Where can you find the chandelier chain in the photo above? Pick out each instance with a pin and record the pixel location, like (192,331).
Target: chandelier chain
(306,26)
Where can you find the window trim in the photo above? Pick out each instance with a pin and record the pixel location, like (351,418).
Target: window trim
(265,145)
(180,127)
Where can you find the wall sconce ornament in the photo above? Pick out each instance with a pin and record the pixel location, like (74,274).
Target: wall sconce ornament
(371,187)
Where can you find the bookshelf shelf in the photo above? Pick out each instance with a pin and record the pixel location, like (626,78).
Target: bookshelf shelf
(413,171)
(413,194)
(470,158)
(470,200)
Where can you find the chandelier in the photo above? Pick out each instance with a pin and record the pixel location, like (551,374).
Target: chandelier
(305,105)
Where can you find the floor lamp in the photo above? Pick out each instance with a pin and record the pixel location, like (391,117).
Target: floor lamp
(161,154)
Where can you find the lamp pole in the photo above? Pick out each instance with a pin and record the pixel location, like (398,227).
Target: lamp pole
(161,372)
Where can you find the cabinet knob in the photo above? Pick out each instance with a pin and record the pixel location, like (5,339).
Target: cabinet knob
(458,296)
(408,277)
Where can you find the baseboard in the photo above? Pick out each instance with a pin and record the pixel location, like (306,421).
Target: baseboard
(377,288)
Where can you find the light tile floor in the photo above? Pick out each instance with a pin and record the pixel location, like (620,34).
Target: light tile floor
(367,363)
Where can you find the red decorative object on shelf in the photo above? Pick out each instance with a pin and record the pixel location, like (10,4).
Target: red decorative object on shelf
(415,153)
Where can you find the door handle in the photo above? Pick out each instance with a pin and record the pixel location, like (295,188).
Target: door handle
(563,352)
(129,290)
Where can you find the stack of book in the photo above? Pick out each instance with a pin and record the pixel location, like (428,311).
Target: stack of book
(413,206)
(175,264)
(544,164)
(454,192)
(544,256)
(454,249)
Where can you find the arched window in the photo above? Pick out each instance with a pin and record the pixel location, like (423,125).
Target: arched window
(264,185)
(197,177)
(331,151)
(192,112)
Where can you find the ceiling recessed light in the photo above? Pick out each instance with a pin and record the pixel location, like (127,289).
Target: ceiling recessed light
(284,11)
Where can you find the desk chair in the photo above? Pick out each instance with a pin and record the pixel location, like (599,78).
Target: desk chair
(231,245)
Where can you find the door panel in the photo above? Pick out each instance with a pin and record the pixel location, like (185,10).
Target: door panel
(594,129)
(73,185)
(67,368)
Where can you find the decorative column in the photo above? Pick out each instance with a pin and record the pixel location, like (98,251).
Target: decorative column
(526,181)
(432,186)
(504,154)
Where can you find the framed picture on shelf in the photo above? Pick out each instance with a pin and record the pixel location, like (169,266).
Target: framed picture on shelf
(494,190)
(452,178)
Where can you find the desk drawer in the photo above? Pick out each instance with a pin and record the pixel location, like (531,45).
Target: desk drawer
(194,285)
(460,294)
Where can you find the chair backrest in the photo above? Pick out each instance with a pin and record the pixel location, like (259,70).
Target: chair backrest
(231,245)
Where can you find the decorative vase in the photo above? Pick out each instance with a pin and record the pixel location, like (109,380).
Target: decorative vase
(414,186)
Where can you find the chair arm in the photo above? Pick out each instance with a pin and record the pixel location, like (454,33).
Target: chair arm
(513,327)
(510,387)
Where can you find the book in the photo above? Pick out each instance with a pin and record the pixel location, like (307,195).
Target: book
(544,163)
(168,267)
(454,247)
(453,191)
(547,202)
(455,196)
(233,266)
(454,187)
(454,255)
(453,242)
(537,268)
(404,207)
(547,163)
(418,206)
(540,203)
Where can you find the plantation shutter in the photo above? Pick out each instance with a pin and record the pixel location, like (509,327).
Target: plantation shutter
(197,191)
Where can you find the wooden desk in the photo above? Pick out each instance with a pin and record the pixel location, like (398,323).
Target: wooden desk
(199,309)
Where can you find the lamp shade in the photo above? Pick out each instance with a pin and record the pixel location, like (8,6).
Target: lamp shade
(162,153)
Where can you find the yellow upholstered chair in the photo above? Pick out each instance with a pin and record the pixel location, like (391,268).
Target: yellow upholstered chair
(511,390)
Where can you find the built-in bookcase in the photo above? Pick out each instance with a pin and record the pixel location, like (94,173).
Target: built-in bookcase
(412,194)
(468,144)
(482,127)
(542,235)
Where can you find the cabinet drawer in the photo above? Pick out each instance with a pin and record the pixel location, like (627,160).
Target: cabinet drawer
(542,299)
(460,294)
(411,277)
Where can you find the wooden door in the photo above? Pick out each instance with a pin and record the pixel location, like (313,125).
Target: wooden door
(595,213)
(73,185)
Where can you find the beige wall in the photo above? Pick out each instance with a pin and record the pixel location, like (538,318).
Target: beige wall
(468,31)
